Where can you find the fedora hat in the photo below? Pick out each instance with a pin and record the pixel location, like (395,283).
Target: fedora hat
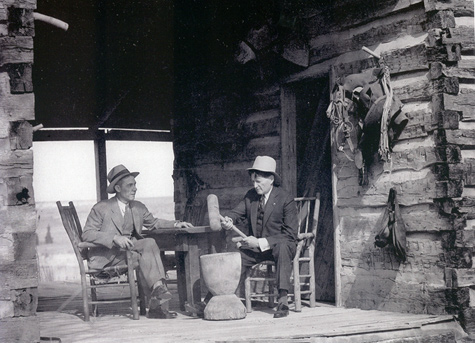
(116,174)
(266,164)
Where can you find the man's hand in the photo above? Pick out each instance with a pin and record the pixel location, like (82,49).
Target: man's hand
(123,242)
(183,225)
(251,243)
(226,223)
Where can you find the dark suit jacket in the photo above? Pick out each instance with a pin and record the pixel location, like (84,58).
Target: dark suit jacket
(105,221)
(280,216)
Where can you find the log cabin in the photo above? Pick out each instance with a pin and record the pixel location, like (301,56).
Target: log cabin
(246,79)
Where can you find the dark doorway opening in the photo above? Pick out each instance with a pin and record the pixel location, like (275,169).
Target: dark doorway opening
(314,174)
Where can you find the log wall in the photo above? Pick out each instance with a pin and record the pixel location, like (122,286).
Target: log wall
(18,261)
(427,45)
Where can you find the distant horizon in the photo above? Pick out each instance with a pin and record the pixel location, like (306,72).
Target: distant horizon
(66,170)
(95,200)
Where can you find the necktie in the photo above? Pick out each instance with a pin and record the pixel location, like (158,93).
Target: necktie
(128,226)
(260,215)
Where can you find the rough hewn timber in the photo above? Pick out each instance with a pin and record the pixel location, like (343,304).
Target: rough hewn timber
(465,238)
(441,19)
(412,88)
(417,218)
(460,35)
(341,15)
(263,123)
(256,147)
(287,140)
(18,275)
(465,70)
(20,329)
(463,138)
(15,107)
(465,205)
(16,163)
(464,102)
(264,100)
(21,135)
(469,171)
(16,50)
(413,187)
(17,219)
(459,7)
(20,78)
(421,120)
(406,59)
(337,43)
(464,277)
(25,301)
(445,53)
(31,4)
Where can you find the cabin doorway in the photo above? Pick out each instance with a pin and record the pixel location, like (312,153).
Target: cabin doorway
(314,173)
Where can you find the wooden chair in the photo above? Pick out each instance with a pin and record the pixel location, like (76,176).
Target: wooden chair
(118,276)
(303,279)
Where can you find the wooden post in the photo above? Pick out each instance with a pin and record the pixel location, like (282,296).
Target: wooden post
(101,165)
(336,216)
(288,109)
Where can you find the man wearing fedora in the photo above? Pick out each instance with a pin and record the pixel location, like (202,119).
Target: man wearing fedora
(116,225)
(270,216)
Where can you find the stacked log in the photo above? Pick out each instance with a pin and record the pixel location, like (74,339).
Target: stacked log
(430,168)
(18,261)
(426,44)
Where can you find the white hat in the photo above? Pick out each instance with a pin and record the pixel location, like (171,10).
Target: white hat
(268,165)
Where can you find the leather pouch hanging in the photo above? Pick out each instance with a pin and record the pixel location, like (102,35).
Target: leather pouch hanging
(392,229)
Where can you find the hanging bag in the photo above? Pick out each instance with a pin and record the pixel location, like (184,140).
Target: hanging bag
(392,229)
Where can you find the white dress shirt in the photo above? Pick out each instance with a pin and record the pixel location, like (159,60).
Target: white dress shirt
(121,207)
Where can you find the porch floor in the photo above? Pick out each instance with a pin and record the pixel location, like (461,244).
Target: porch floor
(62,317)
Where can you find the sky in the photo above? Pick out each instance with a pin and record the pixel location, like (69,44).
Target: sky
(65,170)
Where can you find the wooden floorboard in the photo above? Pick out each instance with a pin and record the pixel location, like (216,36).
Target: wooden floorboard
(61,316)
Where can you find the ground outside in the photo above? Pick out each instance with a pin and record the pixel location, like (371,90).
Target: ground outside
(61,320)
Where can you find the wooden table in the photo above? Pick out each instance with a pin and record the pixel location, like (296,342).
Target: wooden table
(188,244)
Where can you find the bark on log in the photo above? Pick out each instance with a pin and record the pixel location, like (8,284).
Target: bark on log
(337,43)
(461,8)
(17,219)
(20,274)
(20,329)
(16,50)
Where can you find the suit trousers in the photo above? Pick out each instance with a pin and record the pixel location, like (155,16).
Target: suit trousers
(147,255)
(282,254)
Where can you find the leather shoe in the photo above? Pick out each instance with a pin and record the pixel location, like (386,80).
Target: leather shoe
(281,311)
(160,313)
(159,296)
(196,310)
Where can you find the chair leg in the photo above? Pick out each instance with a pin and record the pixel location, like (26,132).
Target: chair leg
(95,307)
(142,299)
(297,294)
(132,286)
(85,298)
(311,267)
(247,292)
(271,286)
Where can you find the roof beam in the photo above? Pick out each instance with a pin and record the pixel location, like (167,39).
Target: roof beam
(45,135)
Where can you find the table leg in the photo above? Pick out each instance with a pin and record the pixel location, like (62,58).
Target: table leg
(192,272)
(181,279)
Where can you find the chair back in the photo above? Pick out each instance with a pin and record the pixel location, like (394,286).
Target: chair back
(73,227)
(195,212)
(307,212)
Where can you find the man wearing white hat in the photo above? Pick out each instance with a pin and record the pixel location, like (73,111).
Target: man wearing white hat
(271,221)
(116,224)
